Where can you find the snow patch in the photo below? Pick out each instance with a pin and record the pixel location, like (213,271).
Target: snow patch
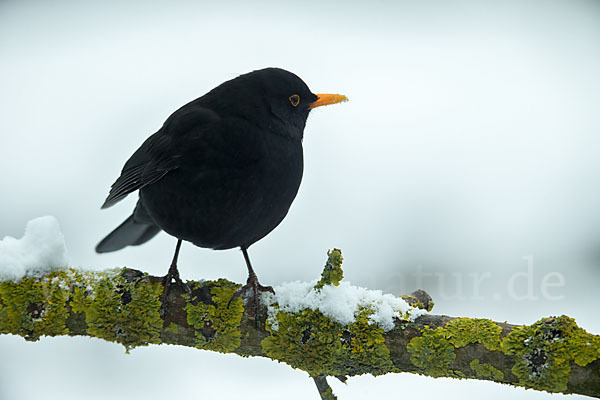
(340,303)
(41,250)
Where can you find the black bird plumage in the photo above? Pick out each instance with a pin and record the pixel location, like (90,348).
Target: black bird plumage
(223,170)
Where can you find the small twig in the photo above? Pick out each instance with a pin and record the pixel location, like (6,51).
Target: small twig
(323,387)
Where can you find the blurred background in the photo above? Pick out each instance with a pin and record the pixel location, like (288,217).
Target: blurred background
(466,164)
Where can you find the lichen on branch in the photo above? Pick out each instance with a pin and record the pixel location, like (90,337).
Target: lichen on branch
(122,306)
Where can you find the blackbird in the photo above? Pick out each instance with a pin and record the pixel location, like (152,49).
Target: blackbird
(222,171)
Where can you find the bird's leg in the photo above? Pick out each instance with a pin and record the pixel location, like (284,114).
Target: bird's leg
(251,284)
(172,275)
(252,281)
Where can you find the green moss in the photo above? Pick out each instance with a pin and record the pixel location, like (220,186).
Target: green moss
(34,307)
(486,370)
(310,341)
(544,350)
(217,326)
(432,352)
(463,331)
(332,272)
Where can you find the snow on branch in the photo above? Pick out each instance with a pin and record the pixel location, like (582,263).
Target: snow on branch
(326,327)
(322,328)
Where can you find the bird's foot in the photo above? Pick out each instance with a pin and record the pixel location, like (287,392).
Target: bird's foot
(253,288)
(167,281)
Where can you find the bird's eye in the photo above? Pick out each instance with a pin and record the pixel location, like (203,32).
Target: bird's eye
(295,100)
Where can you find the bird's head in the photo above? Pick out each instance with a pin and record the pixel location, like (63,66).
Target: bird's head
(274,99)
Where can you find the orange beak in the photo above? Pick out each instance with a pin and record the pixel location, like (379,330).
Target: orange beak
(326,99)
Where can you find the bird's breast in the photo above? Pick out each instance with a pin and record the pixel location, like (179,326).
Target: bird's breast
(227,204)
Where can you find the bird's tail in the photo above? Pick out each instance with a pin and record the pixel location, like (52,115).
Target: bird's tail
(129,233)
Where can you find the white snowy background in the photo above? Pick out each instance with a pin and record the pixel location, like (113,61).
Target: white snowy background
(468,151)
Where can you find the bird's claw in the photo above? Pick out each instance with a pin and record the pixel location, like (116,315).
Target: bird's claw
(167,281)
(252,285)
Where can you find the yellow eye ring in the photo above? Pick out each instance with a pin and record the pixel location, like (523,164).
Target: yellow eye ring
(295,100)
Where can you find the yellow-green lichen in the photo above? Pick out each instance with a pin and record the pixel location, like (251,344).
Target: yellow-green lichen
(543,352)
(328,395)
(486,370)
(216,322)
(414,302)
(463,331)
(34,307)
(310,341)
(103,304)
(332,272)
(367,346)
(432,352)
(172,328)
(119,309)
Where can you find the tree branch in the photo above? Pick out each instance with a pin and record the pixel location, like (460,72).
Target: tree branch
(122,306)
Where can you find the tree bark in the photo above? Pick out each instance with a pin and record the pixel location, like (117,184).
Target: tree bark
(553,354)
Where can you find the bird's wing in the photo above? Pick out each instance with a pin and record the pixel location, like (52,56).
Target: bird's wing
(160,153)
(148,164)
